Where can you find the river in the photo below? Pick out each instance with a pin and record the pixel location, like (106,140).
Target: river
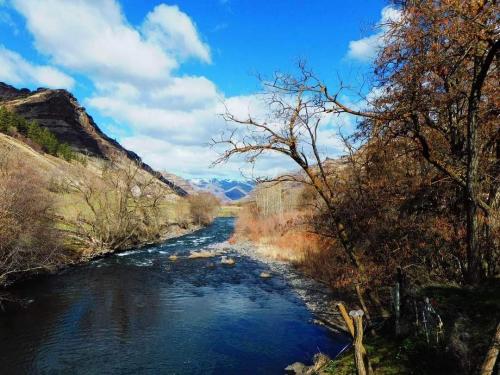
(140,313)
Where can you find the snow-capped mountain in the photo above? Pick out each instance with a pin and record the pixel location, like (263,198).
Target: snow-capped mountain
(225,189)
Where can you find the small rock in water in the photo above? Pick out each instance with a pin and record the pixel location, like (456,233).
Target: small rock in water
(227,261)
(173,258)
(211,265)
(265,275)
(201,254)
(296,368)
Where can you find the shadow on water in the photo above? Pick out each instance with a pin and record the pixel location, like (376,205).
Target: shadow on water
(139,312)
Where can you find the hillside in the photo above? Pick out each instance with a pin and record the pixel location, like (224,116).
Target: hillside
(69,193)
(60,112)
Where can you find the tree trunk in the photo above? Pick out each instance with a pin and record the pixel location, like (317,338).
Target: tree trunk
(473,271)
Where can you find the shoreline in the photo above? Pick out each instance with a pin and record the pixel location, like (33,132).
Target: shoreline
(319,299)
(20,277)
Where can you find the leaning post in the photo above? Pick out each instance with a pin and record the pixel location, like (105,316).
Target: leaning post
(350,327)
(357,316)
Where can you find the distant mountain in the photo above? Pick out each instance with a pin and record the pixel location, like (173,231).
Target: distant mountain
(224,189)
(179,181)
(60,112)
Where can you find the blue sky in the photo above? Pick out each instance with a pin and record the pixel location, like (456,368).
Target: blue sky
(154,74)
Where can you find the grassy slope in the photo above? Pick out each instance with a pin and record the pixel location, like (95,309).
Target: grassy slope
(69,204)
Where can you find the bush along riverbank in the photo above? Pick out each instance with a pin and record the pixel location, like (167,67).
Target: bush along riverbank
(55,213)
(417,326)
(433,329)
(9,302)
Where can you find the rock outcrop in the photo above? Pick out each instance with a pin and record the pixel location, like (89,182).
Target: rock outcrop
(60,112)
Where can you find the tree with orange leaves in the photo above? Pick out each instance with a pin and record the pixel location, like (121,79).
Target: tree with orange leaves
(438,86)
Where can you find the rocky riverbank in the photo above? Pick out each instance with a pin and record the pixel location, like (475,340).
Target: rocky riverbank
(319,299)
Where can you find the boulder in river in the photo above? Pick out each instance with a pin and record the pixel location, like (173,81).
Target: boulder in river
(227,261)
(265,275)
(173,258)
(201,254)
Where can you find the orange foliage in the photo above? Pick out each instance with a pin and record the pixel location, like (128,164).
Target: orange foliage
(282,237)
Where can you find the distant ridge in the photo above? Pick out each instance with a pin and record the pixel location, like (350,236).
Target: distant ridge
(224,189)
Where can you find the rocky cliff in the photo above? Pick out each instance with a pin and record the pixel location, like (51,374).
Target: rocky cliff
(60,112)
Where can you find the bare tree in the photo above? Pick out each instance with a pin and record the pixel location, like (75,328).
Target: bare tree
(29,240)
(297,107)
(121,206)
(203,207)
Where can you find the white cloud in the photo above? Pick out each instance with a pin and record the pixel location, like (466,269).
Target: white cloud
(172,29)
(195,160)
(16,70)
(186,92)
(193,122)
(171,117)
(366,49)
(185,127)
(94,37)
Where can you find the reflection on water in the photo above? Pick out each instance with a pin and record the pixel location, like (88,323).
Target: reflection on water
(138,312)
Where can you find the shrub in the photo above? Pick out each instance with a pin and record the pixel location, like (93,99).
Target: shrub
(64,151)
(203,208)
(28,239)
(120,208)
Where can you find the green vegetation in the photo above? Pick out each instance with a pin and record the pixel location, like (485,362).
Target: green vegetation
(11,123)
(466,313)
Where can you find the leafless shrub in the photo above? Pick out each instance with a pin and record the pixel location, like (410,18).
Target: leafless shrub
(28,239)
(121,207)
(203,208)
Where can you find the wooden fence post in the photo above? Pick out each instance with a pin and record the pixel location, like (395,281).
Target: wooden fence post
(357,316)
(350,327)
(347,318)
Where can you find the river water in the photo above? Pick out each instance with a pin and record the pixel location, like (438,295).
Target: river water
(140,313)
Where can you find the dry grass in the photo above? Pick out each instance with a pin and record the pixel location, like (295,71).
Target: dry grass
(68,206)
(28,238)
(280,237)
(287,237)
